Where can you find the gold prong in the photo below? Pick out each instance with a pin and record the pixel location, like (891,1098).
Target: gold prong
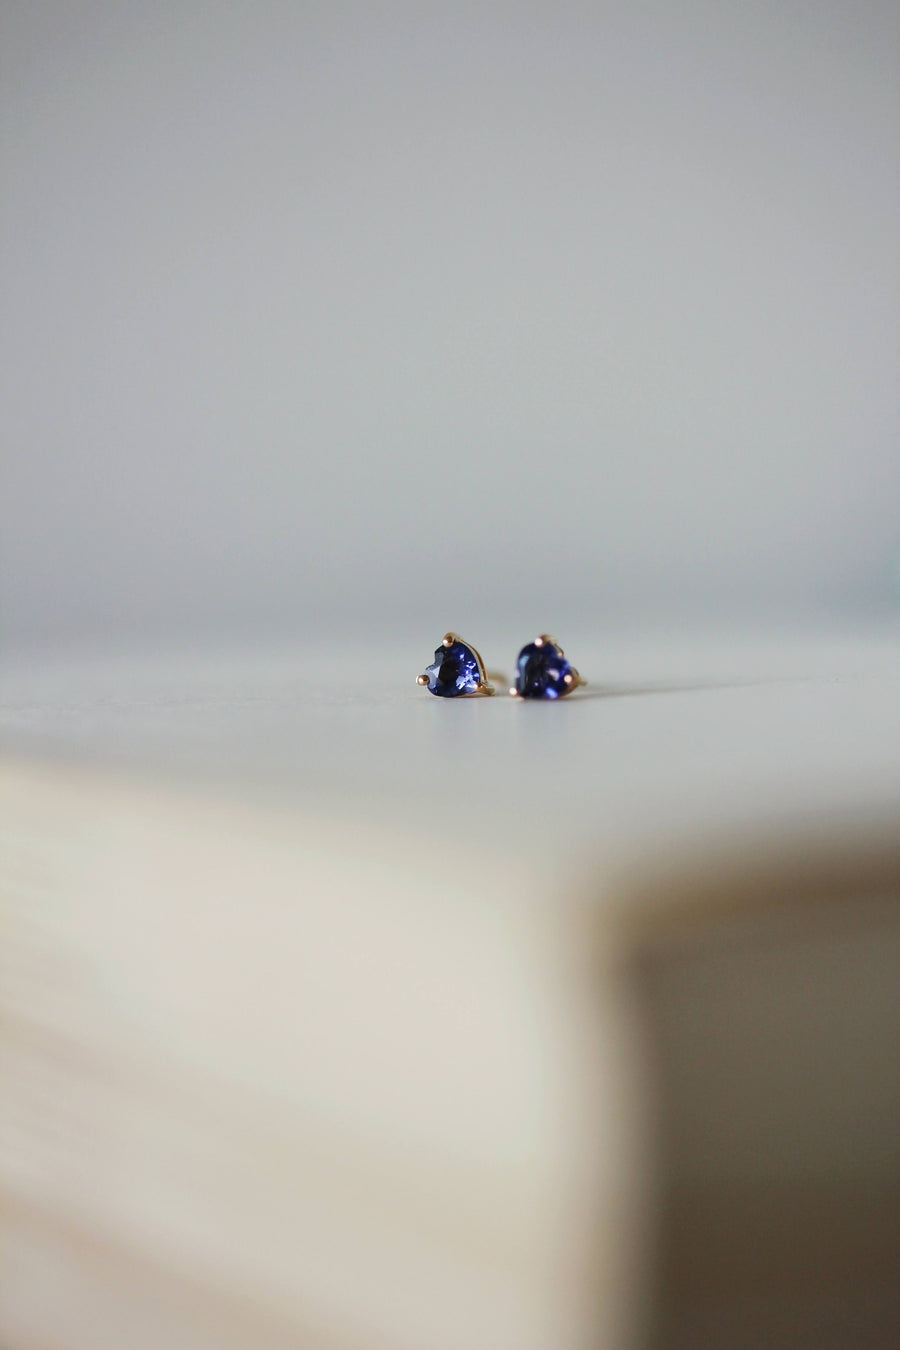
(539,641)
(573,680)
(513,693)
(421,679)
(447,640)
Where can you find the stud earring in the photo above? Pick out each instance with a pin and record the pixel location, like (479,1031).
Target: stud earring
(542,671)
(457,672)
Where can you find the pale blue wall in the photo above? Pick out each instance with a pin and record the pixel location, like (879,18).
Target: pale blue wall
(367,313)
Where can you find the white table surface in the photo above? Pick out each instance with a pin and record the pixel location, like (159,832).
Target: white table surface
(675,735)
(419,1003)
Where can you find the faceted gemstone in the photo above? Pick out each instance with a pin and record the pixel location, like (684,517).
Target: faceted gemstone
(541,671)
(455,671)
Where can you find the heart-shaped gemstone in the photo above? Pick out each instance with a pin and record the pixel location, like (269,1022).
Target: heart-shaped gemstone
(456,670)
(541,671)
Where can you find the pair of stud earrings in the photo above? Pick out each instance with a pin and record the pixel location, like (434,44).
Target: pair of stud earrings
(542,671)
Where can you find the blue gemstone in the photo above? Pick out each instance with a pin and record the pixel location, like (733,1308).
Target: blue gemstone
(541,671)
(455,671)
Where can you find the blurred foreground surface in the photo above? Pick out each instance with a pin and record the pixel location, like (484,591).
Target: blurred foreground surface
(339,1015)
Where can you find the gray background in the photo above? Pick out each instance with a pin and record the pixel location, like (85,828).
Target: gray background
(447,314)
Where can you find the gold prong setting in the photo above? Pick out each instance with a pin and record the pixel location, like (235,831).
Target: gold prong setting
(542,671)
(457,672)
